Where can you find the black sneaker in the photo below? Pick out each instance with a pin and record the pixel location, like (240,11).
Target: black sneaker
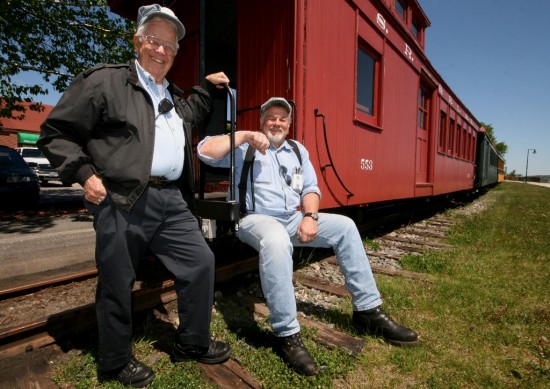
(295,354)
(218,352)
(134,374)
(377,323)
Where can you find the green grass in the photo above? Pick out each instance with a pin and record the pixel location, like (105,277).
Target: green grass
(483,315)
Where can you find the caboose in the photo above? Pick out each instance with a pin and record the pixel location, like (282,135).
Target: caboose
(378,120)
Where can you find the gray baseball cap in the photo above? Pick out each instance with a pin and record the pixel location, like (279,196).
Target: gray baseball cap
(147,12)
(276,102)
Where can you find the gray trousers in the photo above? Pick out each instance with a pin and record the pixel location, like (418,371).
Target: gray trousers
(161,221)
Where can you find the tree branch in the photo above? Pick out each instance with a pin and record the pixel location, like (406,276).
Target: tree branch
(35,69)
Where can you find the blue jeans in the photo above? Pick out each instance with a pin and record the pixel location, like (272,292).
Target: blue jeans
(274,238)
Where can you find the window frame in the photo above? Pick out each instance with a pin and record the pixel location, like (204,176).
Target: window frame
(374,119)
(412,17)
(423,111)
(451,133)
(443,128)
(401,9)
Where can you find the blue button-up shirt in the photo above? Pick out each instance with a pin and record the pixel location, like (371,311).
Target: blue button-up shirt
(168,154)
(272,175)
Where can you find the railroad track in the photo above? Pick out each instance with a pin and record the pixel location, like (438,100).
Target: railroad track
(317,281)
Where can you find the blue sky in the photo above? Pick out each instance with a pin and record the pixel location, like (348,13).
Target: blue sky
(495,55)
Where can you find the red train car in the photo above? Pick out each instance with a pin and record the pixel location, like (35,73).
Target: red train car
(378,120)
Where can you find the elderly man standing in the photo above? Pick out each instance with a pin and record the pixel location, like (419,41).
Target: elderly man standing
(282,203)
(124,133)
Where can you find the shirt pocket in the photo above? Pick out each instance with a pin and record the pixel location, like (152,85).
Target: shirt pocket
(262,171)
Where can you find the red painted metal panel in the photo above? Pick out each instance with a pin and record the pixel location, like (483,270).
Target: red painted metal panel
(306,51)
(390,150)
(185,71)
(265,55)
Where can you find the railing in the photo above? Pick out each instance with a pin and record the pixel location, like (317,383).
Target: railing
(331,164)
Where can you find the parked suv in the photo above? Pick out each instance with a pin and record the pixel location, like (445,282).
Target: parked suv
(39,163)
(18,183)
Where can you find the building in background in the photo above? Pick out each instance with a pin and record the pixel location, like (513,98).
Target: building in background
(23,132)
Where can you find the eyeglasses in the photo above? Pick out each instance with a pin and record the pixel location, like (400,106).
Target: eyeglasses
(283,172)
(155,43)
(165,106)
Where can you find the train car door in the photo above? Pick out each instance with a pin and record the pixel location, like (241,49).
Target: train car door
(265,56)
(423,144)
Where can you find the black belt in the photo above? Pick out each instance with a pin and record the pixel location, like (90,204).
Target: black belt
(159,182)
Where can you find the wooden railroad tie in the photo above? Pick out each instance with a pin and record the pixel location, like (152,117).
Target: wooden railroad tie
(326,335)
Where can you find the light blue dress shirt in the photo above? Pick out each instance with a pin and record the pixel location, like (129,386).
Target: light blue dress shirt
(271,231)
(273,171)
(168,154)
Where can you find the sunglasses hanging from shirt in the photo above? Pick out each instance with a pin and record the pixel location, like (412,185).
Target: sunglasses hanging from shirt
(165,106)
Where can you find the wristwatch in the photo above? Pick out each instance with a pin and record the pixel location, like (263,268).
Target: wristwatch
(312,215)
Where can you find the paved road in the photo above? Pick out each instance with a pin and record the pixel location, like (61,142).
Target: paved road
(547,185)
(540,184)
(48,241)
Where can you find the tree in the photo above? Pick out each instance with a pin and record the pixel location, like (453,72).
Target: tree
(513,174)
(57,39)
(501,147)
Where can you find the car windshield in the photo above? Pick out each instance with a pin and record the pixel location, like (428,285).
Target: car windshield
(10,159)
(32,153)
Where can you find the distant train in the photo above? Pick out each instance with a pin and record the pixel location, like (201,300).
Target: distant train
(489,163)
(378,120)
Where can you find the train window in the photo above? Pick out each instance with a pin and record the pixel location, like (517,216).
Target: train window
(367,93)
(365,81)
(451,143)
(415,28)
(465,143)
(458,145)
(468,142)
(442,132)
(401,8)
(473,147)
(423,107)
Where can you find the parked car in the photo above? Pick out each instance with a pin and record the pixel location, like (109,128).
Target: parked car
(39,163)
(19,184)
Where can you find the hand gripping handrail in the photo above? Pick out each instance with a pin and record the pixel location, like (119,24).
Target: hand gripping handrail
(224,210)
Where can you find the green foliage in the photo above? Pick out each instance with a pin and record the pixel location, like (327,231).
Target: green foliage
(483,317)
(371,244)
(428,262)
(57,39)
(502,148)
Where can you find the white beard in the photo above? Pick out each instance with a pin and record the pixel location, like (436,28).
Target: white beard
(276,139)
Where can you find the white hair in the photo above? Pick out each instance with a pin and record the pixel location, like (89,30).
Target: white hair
(141,30)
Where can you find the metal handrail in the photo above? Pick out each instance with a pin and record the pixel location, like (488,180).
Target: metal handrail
(232,144)
(317,114)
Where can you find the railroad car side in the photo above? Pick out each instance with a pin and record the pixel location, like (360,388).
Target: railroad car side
(375,132)
(456,145)
(359,111)
(379,121)
(487,162)
(501,169)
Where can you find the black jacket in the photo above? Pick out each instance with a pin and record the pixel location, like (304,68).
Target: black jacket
(104,124)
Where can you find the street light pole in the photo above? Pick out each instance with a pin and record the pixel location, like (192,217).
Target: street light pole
(527,165)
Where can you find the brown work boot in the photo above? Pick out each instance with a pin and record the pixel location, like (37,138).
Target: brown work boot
(295,354)
(377,323)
